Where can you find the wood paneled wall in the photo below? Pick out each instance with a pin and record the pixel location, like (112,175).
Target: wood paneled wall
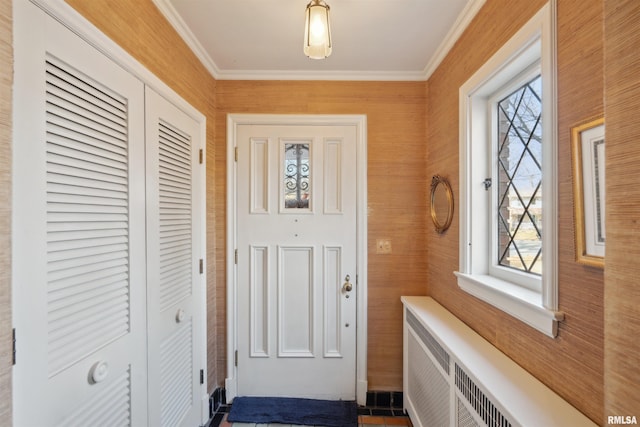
(397,193)
(622,291)
(6,82)
(139,28)
(572,364)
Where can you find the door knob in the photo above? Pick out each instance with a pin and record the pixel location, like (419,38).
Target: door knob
(98,372)
(347,284)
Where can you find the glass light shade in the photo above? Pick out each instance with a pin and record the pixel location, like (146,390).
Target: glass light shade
(317,30)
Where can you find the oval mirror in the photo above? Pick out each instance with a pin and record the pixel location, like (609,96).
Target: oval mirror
(441,203)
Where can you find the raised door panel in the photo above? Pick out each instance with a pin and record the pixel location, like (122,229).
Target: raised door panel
(296,305)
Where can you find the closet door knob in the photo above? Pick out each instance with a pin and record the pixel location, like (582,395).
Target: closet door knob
(180,315)
(98,372)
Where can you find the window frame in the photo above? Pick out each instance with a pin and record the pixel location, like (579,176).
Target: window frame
(535,305)
(521,278)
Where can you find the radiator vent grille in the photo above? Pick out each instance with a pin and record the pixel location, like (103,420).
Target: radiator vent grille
(427,387)
(439,353)
(479,402)
(465,419)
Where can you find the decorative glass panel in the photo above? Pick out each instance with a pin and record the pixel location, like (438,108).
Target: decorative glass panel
(520,178)
(296,176)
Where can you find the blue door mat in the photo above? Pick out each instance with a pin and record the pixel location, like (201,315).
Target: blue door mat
(287,410)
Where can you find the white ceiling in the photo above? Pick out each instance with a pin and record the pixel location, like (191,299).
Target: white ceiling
(372,39)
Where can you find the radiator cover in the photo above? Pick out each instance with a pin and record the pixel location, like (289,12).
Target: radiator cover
(453,377)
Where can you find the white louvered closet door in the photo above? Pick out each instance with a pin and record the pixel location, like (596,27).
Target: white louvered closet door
(78,239)
(174,235)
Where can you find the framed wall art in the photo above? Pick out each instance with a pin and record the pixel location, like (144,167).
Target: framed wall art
(588,145)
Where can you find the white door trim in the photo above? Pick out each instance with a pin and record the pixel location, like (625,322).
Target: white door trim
(360,121)
(77,23)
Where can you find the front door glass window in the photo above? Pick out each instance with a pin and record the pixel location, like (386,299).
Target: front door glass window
(296,176)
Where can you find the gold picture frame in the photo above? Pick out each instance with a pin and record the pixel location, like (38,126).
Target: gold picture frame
(587,152)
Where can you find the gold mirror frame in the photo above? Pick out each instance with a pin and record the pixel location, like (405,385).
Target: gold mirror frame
(439,183)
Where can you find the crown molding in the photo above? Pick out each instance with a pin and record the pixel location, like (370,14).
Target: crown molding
(178,24)
(462,22)
(320,75)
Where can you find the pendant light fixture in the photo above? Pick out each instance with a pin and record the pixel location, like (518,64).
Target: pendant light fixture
(317,30)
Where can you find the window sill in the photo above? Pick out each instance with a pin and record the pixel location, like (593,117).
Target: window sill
(523,304)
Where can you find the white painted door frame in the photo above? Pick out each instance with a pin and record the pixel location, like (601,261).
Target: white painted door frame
(360,122)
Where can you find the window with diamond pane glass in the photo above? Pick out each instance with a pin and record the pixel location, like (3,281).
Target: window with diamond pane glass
(520,178)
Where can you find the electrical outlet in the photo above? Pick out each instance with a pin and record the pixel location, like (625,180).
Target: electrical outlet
(383,246)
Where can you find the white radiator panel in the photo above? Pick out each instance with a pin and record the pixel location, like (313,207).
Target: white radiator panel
(433,347)
(479,401)
(427,387)
(432,374)
(464,417)
(453,377)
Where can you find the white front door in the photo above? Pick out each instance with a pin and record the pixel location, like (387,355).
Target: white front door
(174,236)
(296,261)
